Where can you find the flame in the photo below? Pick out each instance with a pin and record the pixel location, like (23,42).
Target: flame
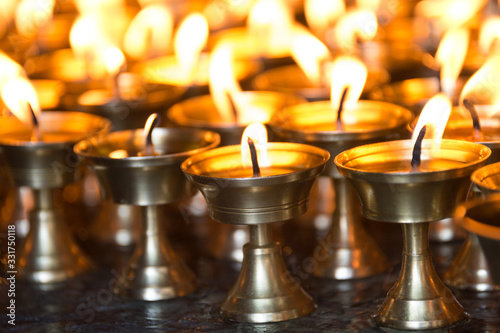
(119,153)
(347,72)
(9,69)
(489,34)
(149,32)
(449,14)
(114,60)
(31,15)
(483,87)
(16,94)
(189,41)
(355,24)
(450,56)
(435,115)
(222,81)
(271,22)
(309,53)
(258,133)
(321,15)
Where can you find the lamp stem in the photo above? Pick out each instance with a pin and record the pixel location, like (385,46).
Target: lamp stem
(260,234)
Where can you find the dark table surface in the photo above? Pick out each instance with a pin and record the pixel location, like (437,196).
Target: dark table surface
(85,304)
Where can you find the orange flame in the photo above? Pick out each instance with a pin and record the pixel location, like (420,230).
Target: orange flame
(16,94)
(449,14)
(450,56)
(347,72)
(435,115)
(271,21)
(355,24)
(189,41)
(483,89)
(321,15)
(258,133)
(222,81)
(150,32)
(114,60)
(33,14)
(309,53)
(489,35)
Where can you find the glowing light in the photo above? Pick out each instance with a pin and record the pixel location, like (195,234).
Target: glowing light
(309,53)
(451,56)
(435,115)
(189,41)
(355,24)
(483,88)
(149,33)
(258,133)
(16,94)
(347,72)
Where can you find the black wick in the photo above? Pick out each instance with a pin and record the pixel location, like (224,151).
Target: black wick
(416,159)
(253,155)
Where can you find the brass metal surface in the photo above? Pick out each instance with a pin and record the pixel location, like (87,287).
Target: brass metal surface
(226,242)
(418,300)
(46,164)
(401,197)
(352,253)
(256,200)
(145,180)
(348,251)
(201,112)
(265,291)
(391,193)
(481,220)
(50,254)
(154,272)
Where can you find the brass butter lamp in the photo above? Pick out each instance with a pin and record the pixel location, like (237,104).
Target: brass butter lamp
(226,241)
(469,270)
(351,253)
(265,291)
(128,174)
(50,254)
(390,191)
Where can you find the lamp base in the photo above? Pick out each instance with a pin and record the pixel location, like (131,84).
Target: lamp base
(419,300)
(154,272)
(50,254)
(265,291)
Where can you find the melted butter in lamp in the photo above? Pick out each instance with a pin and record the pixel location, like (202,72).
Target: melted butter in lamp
(394,157)
(320,117)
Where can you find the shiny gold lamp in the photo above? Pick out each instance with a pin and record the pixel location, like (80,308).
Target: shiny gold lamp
(127,175)
(391,191)
(351,253)
(265,291)
(469,269)
(226,241)
(50,254)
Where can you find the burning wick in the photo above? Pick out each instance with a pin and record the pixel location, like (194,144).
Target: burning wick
(417,151)
(341,107)
(253,156)
(233,106)
(477,134)
(149,149)
(37,136)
